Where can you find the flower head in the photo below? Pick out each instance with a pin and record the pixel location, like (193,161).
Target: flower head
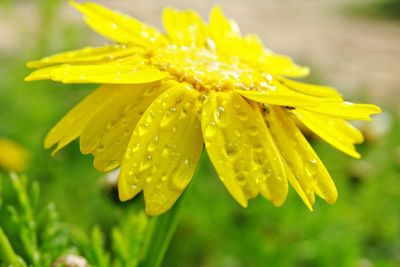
(164,95)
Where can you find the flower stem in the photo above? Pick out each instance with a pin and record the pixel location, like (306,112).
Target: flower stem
(161,230)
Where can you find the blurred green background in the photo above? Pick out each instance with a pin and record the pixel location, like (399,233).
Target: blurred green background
(353,45)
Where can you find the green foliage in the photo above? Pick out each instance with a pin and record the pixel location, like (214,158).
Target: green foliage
(35,232)
(34,235)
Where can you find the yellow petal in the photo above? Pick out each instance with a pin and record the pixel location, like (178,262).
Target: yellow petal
(242,149)
(282,96)
(107,134)
(184,27)
(87,55)
(220,26)
(72,124)
(346,110)
(164,150)
(304,163)
(310,89)
(249,48)
(336,132)
(115,74)
(282,65)
(297,176)
(118,27)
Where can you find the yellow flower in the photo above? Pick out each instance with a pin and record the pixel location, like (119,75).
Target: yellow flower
(164,95)
(12,156)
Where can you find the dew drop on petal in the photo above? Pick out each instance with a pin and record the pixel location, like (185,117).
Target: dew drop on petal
(178,178)
(168,117)
(230,149)
(146,162)
(243,116)
(253,130)
(111,124)
(153,144)
(143,128)
(311,167)
(210,130)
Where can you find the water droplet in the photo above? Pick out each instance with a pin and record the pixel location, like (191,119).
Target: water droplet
(153,144)
(124,122)
(236,104)
(253,130)
(134,187)
(179,99)
(258,146)
(266,171)
(134,147)
(101,147)
(167,150)
(111,124)
(146,163)
(259,157)
(179,177)
(129,108)
(168,117)
(150,91)
(311,167)
(143,128)
(242,115)
(231,149)
(210,131)
(241,178)
(164,177)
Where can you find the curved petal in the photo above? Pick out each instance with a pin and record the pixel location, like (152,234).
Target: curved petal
(281,65)
(303,162)
(311,89)
(242,149)
(337,132)
(118,27)
(346,110)
(249,48)
(164,150)
(106,73)
(87,55)
(107,134)
(184,27)
(72,124)
(282,96)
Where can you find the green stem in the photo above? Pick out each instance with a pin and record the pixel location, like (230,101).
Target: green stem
(161,231)
(7,253)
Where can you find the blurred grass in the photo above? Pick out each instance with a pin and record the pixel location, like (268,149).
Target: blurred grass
(363,227)
(387,9)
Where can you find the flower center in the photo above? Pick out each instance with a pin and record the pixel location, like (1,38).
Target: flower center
(207,70)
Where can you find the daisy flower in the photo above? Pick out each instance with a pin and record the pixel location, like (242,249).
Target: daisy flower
(164,95)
